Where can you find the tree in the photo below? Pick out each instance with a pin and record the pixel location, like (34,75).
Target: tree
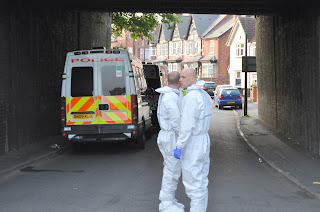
(141,25)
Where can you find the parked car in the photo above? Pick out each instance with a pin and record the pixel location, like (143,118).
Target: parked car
(228,97)
(219,87)
(209,87)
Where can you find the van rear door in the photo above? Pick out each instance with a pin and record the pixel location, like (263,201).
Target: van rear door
(114,93)
(81,102)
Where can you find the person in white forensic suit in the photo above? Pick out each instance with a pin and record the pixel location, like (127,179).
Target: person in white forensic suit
(193,144)
(168,114)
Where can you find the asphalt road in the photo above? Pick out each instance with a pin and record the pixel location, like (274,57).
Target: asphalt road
(118,177)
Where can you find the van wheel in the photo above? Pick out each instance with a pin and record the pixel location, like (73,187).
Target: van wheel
(149,133)
(141,139)
(220,107)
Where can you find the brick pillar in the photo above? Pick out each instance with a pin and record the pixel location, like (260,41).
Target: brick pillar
(254,94)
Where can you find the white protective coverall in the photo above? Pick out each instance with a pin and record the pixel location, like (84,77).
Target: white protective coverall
(195,144)
(169,120)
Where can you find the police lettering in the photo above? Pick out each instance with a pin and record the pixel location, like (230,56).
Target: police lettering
(85,60)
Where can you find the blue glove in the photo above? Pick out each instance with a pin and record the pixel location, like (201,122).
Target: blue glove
(177,153)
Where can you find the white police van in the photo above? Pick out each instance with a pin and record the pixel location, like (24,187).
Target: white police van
(101,97)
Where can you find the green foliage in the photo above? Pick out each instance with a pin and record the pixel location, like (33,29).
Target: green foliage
(120,47)
(141,25)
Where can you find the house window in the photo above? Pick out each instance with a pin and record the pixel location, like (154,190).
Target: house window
(205,72)
(174,48)
(147,54)
(152,51)
(169,67)
(179,48)
(238,79)
(253,53)
(144,54)
(212,70)
(211,46)
(162,49)
(195,47)
(208,70)
(174,67)
(187,48)
(240,49)
(165,49)
(130,50)
(190,48)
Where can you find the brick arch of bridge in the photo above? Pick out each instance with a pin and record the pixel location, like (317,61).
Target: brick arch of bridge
(36,35)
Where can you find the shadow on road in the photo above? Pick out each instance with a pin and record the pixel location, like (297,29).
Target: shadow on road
(123,147)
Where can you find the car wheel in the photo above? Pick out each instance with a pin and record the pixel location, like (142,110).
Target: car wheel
(240,106)
(220,107)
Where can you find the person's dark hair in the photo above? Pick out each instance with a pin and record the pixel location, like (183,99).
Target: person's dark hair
(173,78)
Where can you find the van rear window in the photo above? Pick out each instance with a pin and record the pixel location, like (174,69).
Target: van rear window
(113,80)
(81,81)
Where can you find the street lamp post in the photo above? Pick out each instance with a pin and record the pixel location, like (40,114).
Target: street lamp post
(245,108)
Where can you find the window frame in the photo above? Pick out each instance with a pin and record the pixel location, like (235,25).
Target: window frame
(238,85)
(240,48)
(211,46)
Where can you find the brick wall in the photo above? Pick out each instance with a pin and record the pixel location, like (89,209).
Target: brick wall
(223,56)
(222,53)
(32,60)
(126,41)
(288,77)
(4,82)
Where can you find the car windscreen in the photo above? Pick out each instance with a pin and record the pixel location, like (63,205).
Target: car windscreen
(209,85)
(81,81)
(113,80)
(230,92)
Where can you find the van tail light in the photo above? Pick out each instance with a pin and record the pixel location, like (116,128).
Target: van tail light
(239,97)
(134,109)
(221,97)
(63,111)
(204,88)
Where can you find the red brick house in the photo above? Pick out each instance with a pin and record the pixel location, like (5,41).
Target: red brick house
(140,47)
(216,54)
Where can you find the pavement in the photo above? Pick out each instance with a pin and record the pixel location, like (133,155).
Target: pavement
(273,149)
(288,159)
(47,148)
